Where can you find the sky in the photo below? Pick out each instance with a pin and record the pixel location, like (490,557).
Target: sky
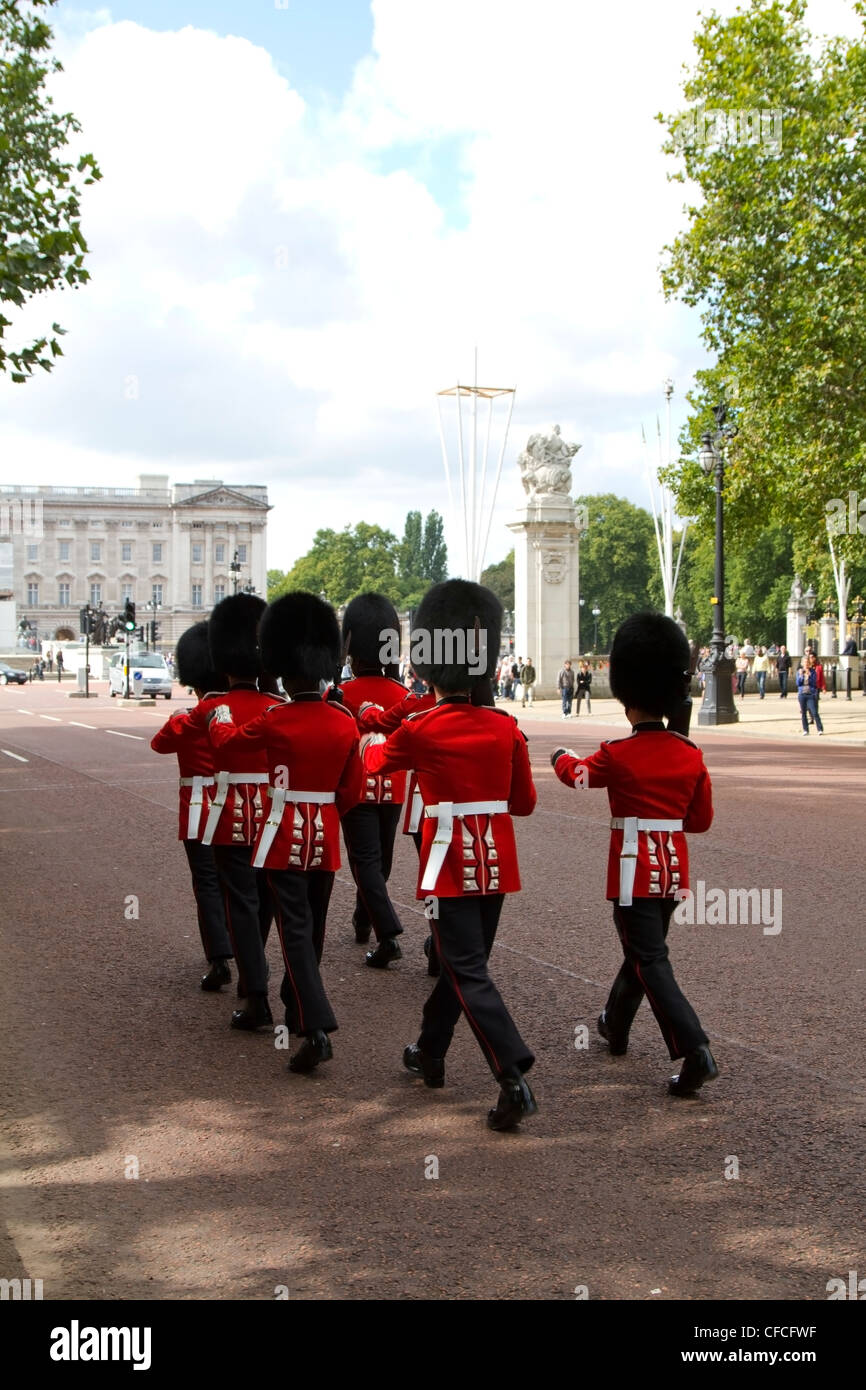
(313,213)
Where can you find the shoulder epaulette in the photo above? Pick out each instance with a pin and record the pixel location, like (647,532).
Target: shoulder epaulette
(336,704)
(682,738)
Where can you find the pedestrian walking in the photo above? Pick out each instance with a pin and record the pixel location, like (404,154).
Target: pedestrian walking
(742,669)
(583,688)
(528,677)
(658,788)
(783,670)
(60,666)
(473,771)
(191,746)
(49,657)
(807,695)
(760,667)
(565,686)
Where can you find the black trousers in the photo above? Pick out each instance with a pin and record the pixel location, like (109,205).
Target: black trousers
(208,900)
(646,970)
(369,832)
(464,934)
(301,906)
(249,912)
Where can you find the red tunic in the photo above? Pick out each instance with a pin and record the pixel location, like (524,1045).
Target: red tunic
(464,753)
(245,800)
(194,760)
(309,745)
(378,690)
(655,775)
(385,721)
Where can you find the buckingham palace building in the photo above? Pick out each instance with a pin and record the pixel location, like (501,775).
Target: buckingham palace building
(174,550)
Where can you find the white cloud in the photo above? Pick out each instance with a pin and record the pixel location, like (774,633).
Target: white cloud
(290,309)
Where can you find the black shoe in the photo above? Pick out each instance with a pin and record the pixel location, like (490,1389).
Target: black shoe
(419,1064)
(218,975)
(315,1048)
(515,1102)
(387,950)
(616,1042)
(256,1013)
(433,966)
(699,1066)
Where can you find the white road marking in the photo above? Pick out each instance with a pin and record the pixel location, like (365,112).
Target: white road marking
(82,726)
(27,711)
(16,756)
(52,717)
(118,734)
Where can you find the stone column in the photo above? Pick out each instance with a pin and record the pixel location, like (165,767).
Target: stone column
(827,637)
(547,586)
(207,576)
(797,610)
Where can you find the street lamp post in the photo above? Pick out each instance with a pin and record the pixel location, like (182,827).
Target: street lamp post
(235,568)
(810,597)
(718,703)
(596,614)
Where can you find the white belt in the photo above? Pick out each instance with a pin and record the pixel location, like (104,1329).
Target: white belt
(631,827)
(224,780)
(444,815)
(196,802)
(416,812)
(279,796)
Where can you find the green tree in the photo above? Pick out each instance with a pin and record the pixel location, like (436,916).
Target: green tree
(618,566)
(758,578)
(41,243)
(773,255)
(276,584)
(409,564)
(344,563)
(434,552)
(500,578)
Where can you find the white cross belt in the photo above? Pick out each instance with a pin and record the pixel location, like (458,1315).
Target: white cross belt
(196,801)
(279,797)
(224,780)
(444,815)
(631,827)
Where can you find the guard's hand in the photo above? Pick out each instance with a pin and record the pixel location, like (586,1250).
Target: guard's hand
(369,704)
(556,754)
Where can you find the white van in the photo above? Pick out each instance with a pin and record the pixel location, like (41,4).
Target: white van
(148,675)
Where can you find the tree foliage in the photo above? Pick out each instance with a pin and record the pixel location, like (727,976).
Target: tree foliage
(500,579)
(773,255)
(41,243)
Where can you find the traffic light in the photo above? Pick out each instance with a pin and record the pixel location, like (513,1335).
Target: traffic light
(129,616)
(85,626)
(140,634)
(154,632)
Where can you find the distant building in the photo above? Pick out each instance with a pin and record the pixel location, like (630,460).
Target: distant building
(183,548)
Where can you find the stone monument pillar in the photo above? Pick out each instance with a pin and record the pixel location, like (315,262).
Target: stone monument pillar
(546,561)
(827,644)
(797,611)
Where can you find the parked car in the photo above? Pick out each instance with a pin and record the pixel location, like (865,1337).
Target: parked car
(9,675)
(148,675)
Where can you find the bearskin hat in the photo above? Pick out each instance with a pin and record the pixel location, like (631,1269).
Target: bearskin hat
(300,638)
(456,635)
(649,664)
(232,631)
(368,625)
(193,660)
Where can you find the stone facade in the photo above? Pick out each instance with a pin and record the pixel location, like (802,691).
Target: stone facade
(172,545)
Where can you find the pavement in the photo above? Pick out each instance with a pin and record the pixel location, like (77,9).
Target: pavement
(150,1152)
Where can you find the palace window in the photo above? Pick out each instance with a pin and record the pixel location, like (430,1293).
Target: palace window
(63,595)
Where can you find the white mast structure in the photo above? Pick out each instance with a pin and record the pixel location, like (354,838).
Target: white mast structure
(473,512)
(663,513)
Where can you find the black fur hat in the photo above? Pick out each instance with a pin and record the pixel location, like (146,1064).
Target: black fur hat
(649,664)
(193,660)
(232,631)
(456,635)
(367,623)
(300,638)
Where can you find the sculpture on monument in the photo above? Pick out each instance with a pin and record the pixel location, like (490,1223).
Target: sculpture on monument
(545,465)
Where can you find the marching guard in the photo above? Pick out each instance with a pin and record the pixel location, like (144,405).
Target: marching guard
(237,802)
(473,772)
(195,765)
(370,828)
(310,747)
(658,789)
